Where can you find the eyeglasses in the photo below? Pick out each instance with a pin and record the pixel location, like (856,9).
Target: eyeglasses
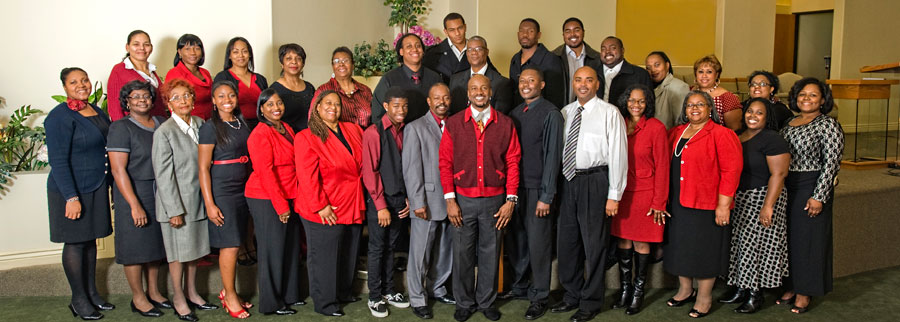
(337,61)
(140,98)
(698,105)
(760,84)
(185,97)
(477,49)
(634,101)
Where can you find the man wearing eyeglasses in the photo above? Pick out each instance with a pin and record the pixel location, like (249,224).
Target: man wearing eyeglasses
(477,55)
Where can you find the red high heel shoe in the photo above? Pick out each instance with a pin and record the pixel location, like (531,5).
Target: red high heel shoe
(246,305)
(242,314)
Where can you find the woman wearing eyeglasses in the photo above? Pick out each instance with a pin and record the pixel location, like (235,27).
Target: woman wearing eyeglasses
(765,85)
(704,174)
(356,97)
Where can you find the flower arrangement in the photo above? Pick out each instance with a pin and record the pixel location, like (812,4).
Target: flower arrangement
(428,38)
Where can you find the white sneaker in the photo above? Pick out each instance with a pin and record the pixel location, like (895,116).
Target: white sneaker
(397,300)
(378,309)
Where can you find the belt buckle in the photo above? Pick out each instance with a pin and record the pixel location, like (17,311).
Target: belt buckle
(244,159)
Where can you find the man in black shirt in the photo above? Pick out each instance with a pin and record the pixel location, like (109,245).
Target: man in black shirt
(574,53)
(535,54)
(617,74)
(449,57)
(412,76)
(477,55)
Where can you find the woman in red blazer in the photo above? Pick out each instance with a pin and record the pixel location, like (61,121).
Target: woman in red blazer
(270,191)
(329,160)
(135,66)
(639,221)
(704,174)
(189,56)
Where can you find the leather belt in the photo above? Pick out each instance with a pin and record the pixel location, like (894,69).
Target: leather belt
(243,159)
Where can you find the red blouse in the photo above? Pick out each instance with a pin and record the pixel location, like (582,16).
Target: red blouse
(711,164)
(274,177)
(117,78)
(247,96)
(725,103)
(202,88)
(648,161)
(328,174)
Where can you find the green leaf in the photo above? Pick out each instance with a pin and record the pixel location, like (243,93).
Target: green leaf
(59,98)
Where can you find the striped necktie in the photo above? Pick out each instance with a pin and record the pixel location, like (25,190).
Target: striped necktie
(571,143)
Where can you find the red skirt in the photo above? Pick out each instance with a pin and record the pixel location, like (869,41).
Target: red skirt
(632,222)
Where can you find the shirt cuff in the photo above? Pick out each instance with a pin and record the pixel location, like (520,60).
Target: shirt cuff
(514,196)
(450,195)
(615,195)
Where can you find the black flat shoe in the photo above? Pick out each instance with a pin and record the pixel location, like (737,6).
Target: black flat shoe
(446,299)
(697,314)
(190,317)
(563,307)
(153,312)
(161,305)
(203,307)
(94,315)
(105,306)
(672,302)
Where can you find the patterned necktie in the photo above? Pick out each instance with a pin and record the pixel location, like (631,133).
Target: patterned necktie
(415,78)
(571,143)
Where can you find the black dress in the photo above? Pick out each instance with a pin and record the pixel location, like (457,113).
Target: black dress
(228,181)
(696,246)
(95,217)
(136,245)
(296,105)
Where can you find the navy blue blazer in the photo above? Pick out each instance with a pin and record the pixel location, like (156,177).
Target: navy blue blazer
(77,152)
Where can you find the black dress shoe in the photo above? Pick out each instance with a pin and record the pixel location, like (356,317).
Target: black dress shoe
(583,316)
(153,312)
(298,303)
(462,315)
(508,295)
(203,307)
(161,305)
(535,310)
(734,295)
(491,313)
(93,315)
(754,303)
(422,312)
(105,306)
(563,307)
(190,317)
(282,311)
(672,302)
(446,299)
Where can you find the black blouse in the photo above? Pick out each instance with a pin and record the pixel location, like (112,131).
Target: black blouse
(296,105)
(756,173)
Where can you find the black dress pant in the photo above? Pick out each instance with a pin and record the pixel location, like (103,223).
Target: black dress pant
(331,263)
(278,255)
(583,234)
(380,259)
(810,239)
(477,241)
(529,245)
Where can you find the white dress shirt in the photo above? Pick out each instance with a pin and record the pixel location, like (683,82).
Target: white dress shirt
(575,62)
(190,129)
(608,75)
(479,72)
(601,141)
(460,54)
(153,81)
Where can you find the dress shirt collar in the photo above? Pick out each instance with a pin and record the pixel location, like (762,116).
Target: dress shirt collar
(572,52)
(150,66)
(187,128)
(387,124)
(409,72)
(335,84)
(591,104)
(615,69)
(460,54)
(440,121)
(473,114)
(480,71)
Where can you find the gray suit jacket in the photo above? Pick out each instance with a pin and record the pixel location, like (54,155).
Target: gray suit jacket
(421,140)
(176,169)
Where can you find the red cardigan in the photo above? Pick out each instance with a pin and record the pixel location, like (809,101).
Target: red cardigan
(648,161)
(330,175)
(117,78)
(479,164)
(202,88)
(274,177)
(711,164)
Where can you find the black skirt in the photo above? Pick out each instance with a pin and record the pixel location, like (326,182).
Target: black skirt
(228,193)
(137,245)
(94,221)
(810,247)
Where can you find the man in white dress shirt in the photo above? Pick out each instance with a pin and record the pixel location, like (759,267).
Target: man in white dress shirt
(594,166)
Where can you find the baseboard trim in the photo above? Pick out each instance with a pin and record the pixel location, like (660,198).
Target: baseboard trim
(30,258)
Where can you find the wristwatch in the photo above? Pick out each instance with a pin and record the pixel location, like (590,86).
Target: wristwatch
(513,199)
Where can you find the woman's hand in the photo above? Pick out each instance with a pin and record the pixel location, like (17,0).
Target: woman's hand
(723,215)
(659,216)
(765,216)
(139,216)
(73,209)
(814,207)
(215,215)
(328,216)
(176,221)
(404,212)
(284,217)
(384,217)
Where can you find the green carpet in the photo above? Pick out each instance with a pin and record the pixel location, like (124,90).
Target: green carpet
(862,297)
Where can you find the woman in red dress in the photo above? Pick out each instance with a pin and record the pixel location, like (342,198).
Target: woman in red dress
(189,56)
(640,217)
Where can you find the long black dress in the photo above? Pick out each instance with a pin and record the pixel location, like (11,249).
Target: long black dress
(228,181)
(136,245)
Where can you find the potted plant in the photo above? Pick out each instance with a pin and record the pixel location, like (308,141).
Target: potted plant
(21,146)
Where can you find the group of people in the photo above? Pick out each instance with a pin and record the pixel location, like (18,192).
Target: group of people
(578,147)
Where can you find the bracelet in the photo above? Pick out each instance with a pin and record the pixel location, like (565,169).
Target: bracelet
(75,198)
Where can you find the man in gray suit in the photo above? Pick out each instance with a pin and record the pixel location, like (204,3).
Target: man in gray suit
(429,227)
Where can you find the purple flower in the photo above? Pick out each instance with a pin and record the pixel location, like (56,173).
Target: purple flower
(428,38)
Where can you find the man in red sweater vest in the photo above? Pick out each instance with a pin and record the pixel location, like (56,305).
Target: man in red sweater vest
(479,161)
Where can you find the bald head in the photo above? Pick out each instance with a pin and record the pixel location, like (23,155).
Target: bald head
(479,91)
(586,84)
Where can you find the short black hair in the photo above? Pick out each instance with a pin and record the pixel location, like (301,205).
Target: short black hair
(187,40)
(537,26)
(131,35)
(773,80)
(532,68)
(771,121)
(292,47)
(621,45)
(342,49)
(132,86)
(230,46)
(264,97)
(713,114)
(571,19)
(828,103)
(68,70)
(649,98)
(395,92)
(453,16)
(400,44)
(664,57)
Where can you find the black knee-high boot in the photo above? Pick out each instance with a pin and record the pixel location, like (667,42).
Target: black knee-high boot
(641,262)
(625,256)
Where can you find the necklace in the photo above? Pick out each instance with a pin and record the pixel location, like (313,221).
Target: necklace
(714,88)
(677,151)
(232,126)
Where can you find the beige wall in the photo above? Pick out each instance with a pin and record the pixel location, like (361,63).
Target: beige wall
(644,26)
(798,6)
(498,22)
(745,36)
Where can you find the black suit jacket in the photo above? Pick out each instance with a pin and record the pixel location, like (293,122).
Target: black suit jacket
(441,59)
(501,89)
(591,58)
(398,77)
(629,74)
(548,63)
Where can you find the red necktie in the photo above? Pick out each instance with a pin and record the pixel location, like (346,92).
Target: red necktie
(415,78)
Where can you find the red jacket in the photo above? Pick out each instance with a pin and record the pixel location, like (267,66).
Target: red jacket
(202,88)
(274,177)
(711,164)
(480,164)
(648,161)
(330,175)
(117,78)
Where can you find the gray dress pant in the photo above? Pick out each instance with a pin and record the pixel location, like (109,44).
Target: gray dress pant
(430,259)
(477,241)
